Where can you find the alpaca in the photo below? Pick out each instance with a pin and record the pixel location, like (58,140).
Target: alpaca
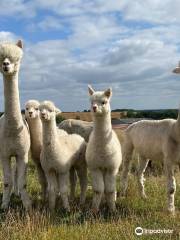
(80,127)
(103,153)
(59,154)
(154,140)
(35,127)
(14,132)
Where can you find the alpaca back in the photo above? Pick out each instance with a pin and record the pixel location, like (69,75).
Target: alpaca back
(80,127)
(71,145)
(62,152)
(149,137)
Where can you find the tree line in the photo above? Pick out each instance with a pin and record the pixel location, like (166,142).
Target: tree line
(151,114)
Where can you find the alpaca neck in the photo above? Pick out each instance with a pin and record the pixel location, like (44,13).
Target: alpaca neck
(49,132)
(12,110)
(35,127)
(102,126)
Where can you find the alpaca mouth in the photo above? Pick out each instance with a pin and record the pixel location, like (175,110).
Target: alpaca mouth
(6,69)
(99,113)
(44,118)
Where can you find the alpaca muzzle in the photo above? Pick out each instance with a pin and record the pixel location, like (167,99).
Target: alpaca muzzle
(95,108)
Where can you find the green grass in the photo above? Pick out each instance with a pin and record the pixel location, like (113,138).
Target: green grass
(81,224)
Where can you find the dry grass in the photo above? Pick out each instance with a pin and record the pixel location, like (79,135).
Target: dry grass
(81,224)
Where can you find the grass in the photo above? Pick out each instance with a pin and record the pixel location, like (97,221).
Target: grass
(81,224)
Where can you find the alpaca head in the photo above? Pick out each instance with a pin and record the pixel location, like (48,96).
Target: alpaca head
(48,111)
(32,109)
(10,57)
(100,101)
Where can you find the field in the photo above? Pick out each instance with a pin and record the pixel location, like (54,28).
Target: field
(87,116)
(131,212)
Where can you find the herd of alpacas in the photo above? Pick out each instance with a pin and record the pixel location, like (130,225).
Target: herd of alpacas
(68,151)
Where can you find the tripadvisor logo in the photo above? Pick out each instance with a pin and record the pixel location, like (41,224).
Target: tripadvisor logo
(138,231)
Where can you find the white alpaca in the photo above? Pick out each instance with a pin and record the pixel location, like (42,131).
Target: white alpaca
(103,154)
(59,154)
(14,132)
(35,127)
(80,127)
(155,140)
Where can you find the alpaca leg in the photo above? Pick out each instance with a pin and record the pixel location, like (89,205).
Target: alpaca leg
(143,162)
(21,168)
(171,186)
(52,189)
(63,189)
(73,181)
(7,179)
(110,189)
(98,188)
(126,160)
(15,180)
(82,174)
(42,181)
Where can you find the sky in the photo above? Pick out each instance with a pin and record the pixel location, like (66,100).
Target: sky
(129,45)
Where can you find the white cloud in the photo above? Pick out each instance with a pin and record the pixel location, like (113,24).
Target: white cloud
(7,36)
(136,67)
(95,30)
(153,11)
(17,8)
(47,24)
(104,50)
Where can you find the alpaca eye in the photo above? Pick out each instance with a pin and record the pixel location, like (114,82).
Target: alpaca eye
(103,102)
(36,109)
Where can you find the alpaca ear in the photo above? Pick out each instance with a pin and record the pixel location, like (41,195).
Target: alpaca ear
(58,111)
(108,92)
(91,90)
(19,44)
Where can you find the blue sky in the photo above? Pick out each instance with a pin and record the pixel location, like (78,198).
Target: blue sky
(129,45)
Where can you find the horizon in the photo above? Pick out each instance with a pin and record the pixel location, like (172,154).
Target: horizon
(115,109)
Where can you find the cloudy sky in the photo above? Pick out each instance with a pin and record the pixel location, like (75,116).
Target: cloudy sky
(130,45)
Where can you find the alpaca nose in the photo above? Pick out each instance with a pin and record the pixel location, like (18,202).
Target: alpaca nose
(43,114)
(94,108)
(5,64)
(30,113)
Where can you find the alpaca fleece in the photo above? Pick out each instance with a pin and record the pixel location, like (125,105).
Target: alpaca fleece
(61,152)
(103,154)
(14,132)
(155,140)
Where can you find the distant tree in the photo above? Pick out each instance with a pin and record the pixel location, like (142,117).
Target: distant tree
(154,114)
(59,119)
